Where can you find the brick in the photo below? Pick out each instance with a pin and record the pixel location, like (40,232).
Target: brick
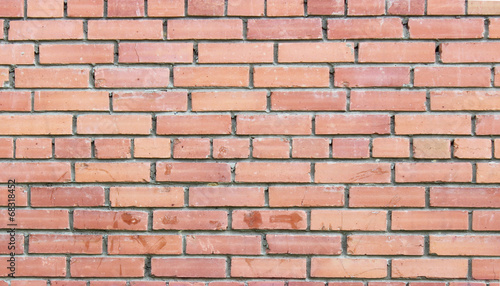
(480,7)
(150,101)
(38,148)
(291,77)
(433,172)
(325,7)
(469,52)
(146,197)
(385,245)
(269,219)
(229,101)
(108,283)
(403,100)
(113,124)
(6,240)
(147,283)
(112,148)
(406,7)
(441,28)
(193,172)
(67,196)
(36,124)
(365,28)
(310,148)
(21,195)
(15,101)
(231,76)
(155,52)
(245,8)
(85,8)
(37,219)
(45,8)
(17,54)
(144,244)
(257,172)
(62,243)
(188,267)
(457,124)
(431,148)
(472,148)
(488,173)
(131,77)
(304,244)
(276,124)
(481,100)
(107,267)
(12,9)
(206,29)
(348,220)
(285,8)
(396,52)
(430,220)
(464,197)
(192,148)
(391,147)
(67,282)
(352,148)
(230,148)
(54,266)
(452,76)
(268,267)
(166,8)
(496,148)
(226,197)
(284,29)
(46,30)
(352,173)
(306,196)
(348,268)
(277,148)
(430,268)
(386,197)
(365,7)
(308,100)
(76,53)
(72,148)
(487,124)
(36,172)
(235,52)
(112,172)
(485,269)
(470,245)
(352,124)
(110,220)
(193,124)
(190,220)
(125,29)
(125,8)
(71,100)
(371,76)
(6,148)
(223,244)
(445,7)
(5,78)
(205,7)
(152,148)
(52,77)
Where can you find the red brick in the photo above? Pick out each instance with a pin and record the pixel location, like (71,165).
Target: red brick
(36,219)
(107,267)
(430,268)
(4,77)
(193,172)
(452,76)
(486,221)
(446,28)
(152,148)
(85,8)
(193,124)
(131,77)
(352,173)
(54,266)
(17,54)
(406,7)
(310,148)
(353,148)
(268,267)
(304,244)
(144,244)
(6,148)
(488,173)
(146,196)
(113,124)
(325,7)
(231,148)
(110,220)
(76,53)
(276,124)
(465,197)
(445,7)
(494,28)
(458,124)
(112,172)
(190,220)
(188,267)
(245,8)
(483,8)
(226,197)
(487,124)
(36,124)
(433,172)
(20,192)
(402,100)
(365,28)
(45,8)
(206,29)
(38,148)
(71,100)
(11,8)
(496,149)
(112,148)
(468,52)
(284,29)
(430,220)
(371,76)
(352,124)
(67,196)
(365,7)
(223,244)
(470,245)
(63,243)
(39,172)
(385,245)
(291,77)
(150,101)
(386,197)
(285,8)
(155,52)
(15,101)
(269,219)
(46,30)
(391,147)
(205,7)
(465,100)
(308,100)
(277,148)
(348,220)
(257,172)
(472,148)
(485,269)
(192,148)
(235,52)
(72,148)
(125,8)
(431,148)
(348,268)
(6,242)
(229,101)
(306,196)
(108,283)
(52,77)
(67,282)
(166,8)
(396,52)
(231,76)
(125,29)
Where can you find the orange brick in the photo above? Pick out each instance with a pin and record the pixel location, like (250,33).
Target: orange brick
(155,52)
(192,148)
(348,220)
(144,244)
(470,245)
(37,219)
(284,29)
(308,100)
(485,269)
(107,267)
(66,282)
(391,147)
(487,124)
(371,76)
(273,124)
(125,30)
(494,28)
(125,8)
(188,268)
(430,268)
(5,78)
(459,124)
(112,148)
(352,173)
(304,244)
(39,172)
(245,8)
(85,8)
(496,149)
(150,101)
(386,197)
(446,28)
(268,267)
(131,77)
(480,7)
(472,148)
(193,172)
(308,196)
(38,148)
(205,7)
(468,52)
(207,29)
(6,148)
(35,124)
(365,7)
(285,8)
(269,219)
(385,245)
(190,220)
(486,220)
(465,197)
(235,52)
(146,196)
(113,124)
(464,100)
(67,196)
(12,8)
(325,7)
(46,30)
(353,148)
(112,172)
(396,52)
(231,76)
(431,148)
(310,148)
(193,124)
(371,28)
(152,148)
(110,220)
(71,100)
(64,243)
(291,76)
(52,77)
(430,220)
(54,266)
(226,196)
(15,101)
(445,7)
(488,173)
(277,148)
(5,239)
(17,54)
(231,148)
(388,100)
(229,101)
(406,7)
(433,172)
(452,76)
(348,268)
(166,8)
(45,8)
(256,172)
(352,124)
(72,148)
(76,53)
(20,192)
(223,244)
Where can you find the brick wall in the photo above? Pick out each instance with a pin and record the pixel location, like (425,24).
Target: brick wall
(250,142)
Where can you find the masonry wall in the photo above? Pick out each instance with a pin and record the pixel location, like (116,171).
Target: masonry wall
(249,142)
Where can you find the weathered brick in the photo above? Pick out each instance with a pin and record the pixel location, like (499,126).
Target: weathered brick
(430,220)
(348,268)
(188,267)
(393,76)
(125,30)
(71,100)
(52,77)
(193,172)
(433,172)
(407,124)
(348,220)
(229,101)
(206,29)
(67,196)
(308,196)
(303,244)
(110,220)
(144,244)
(430,268)
(223,244)
(268,267)
(269,219)
(359,244)
(46,30)
(190,220)
(442,28)
(272,172)
(107,267)
(112,172)
(386,197)
(284,29)
(63,243)
(365,28)
(85,8)
(146,196)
